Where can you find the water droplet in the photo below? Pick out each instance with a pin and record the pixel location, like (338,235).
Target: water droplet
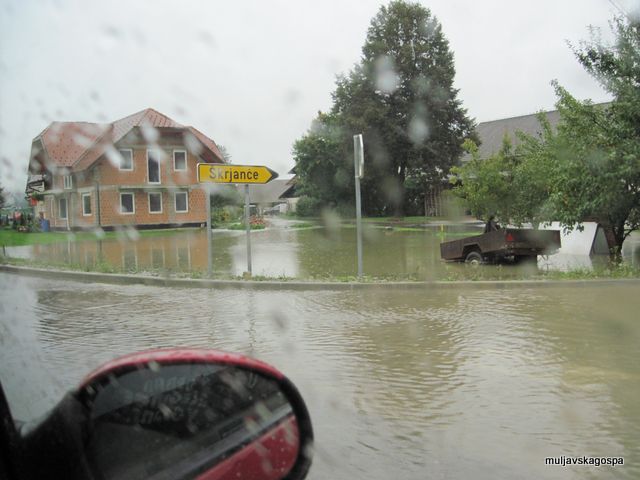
(331,221)
(149,133)
(165,410)
(280,320)
(291,97)
(113,156)
(207,38)
(387,80)
(132,234)
(418,130)
(82,140)
(109,38)
(99,233)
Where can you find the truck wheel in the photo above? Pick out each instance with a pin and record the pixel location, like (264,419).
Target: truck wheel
(473,258)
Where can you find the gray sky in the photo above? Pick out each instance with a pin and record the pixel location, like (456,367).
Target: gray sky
(253,74)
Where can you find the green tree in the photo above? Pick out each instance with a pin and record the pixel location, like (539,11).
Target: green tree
(600,176)
(485,184)
(587,170)
(226,156)
(323,175)
(511,184)
(2,198)
(401,97)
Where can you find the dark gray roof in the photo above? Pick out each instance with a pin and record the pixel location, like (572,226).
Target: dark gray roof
(271,192)
(492,133)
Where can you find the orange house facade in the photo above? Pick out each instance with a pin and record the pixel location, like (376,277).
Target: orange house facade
(139,171)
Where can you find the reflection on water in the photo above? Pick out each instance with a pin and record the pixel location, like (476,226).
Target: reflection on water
(305,253)
(454,382)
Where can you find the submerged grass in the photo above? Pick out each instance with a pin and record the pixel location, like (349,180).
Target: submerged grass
(622,270)
(240,226)
(298,225)
(503,273)
(452,275)
(13,238)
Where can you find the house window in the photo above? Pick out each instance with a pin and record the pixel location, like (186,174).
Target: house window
(180,160)
(153,166)
(68,182)
(155,202)
(126,159)
(181,202)
(127,205)
(86,204)
(62,208)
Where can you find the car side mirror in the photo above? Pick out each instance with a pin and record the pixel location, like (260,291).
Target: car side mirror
(177,414)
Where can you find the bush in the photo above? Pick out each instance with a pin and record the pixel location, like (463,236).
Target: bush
(346,210)
(308,207)
(222,215)
(256,220)
(219,215)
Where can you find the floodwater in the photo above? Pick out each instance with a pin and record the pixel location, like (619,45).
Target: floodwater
(452,382)
(310,253)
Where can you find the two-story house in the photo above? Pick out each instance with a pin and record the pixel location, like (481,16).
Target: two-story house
(137,171)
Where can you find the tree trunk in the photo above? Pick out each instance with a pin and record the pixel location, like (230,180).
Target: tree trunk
(619,238)
(615,238)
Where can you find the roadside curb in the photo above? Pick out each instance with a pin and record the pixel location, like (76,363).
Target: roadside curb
(124,279)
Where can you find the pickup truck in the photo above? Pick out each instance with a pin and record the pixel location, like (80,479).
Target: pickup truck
(506,244)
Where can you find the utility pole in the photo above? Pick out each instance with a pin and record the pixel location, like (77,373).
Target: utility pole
(207,194)
(358,166)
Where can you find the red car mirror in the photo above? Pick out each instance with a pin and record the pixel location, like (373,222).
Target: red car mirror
(176,414)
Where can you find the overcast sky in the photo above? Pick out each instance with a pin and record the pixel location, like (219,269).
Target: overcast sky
(253,74)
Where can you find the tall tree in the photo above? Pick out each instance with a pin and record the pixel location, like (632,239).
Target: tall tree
(513,184)
(587,170)
(322,173)
(401,97)
(226,156)
(601,178)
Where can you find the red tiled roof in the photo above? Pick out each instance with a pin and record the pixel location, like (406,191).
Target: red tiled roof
(65,142)
(80,144)
(210,144)
(144,118)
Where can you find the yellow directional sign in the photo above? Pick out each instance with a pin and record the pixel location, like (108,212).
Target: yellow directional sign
(218,173)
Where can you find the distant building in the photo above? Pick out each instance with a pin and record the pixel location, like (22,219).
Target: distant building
(137,171)
(492,133)
(277,196)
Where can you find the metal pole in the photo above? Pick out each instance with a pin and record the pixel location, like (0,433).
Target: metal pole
(68,202)
(209,236)
(98,217)
(248,226)
(358,162)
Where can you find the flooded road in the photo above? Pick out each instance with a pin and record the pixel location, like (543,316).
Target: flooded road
(455,382)
(310,253)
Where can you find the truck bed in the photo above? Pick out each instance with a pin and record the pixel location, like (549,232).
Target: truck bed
(506,242)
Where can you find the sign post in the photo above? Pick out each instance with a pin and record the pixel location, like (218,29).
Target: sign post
(209,234)
(358,165)
(235,174)
(247,220)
